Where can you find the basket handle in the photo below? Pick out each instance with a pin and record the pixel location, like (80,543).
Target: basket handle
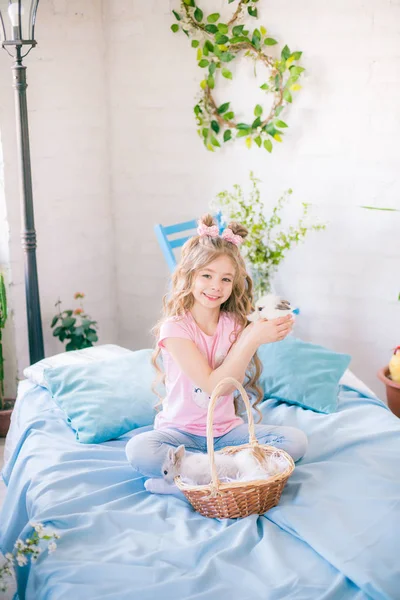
(210,419)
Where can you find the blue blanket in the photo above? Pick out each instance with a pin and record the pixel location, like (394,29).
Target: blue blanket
(334,536)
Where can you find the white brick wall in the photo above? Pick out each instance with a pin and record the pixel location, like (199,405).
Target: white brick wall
(114,150)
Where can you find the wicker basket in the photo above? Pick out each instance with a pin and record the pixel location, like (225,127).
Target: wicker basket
(236,499)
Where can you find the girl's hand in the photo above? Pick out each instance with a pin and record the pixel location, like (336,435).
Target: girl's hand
(266,331)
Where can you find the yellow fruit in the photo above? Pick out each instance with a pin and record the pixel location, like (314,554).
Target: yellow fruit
(394,365)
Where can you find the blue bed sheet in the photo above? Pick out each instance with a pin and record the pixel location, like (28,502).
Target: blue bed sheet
(334,536)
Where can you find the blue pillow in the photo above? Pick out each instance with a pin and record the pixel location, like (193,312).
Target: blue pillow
(301,373)
(105,399)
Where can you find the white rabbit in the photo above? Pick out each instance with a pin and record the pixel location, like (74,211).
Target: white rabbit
(196,467)
(270,307)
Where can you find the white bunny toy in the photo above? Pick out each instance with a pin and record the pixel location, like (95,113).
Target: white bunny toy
(196,466)
(271,307)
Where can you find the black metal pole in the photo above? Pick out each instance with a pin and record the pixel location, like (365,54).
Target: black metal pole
(28,234)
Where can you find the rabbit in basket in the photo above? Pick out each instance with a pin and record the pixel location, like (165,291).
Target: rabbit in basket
(196,467)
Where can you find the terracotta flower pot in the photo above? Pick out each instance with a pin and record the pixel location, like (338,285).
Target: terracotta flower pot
(5,416)
(392,391)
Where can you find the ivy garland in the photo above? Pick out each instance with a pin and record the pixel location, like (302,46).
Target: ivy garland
(217,45)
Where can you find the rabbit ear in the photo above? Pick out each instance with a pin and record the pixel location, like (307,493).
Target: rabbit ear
(179,453)
(171,455)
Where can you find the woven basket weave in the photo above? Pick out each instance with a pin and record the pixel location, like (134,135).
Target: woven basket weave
(236,499)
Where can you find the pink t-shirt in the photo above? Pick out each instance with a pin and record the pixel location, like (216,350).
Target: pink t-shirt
(185,405)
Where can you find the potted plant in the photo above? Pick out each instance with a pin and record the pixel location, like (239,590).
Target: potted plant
(6,404)
(390,376)
(74,326)
(266,243)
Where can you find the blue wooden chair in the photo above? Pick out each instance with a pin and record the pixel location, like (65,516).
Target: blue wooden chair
(168,243)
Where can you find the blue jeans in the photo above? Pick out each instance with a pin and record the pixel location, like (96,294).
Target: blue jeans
(146,451)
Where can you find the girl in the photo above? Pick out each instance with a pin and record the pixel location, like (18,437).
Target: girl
(204,337)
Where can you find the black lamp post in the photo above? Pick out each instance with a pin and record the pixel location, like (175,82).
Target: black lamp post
(17,23)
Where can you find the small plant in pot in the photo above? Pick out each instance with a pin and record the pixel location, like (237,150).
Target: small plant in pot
(6,404)
(390,376)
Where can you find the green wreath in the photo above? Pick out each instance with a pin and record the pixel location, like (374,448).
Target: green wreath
(219,44)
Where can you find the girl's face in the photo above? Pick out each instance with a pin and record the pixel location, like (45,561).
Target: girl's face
(212,285)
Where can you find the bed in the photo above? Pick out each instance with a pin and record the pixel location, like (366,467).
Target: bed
(334,536)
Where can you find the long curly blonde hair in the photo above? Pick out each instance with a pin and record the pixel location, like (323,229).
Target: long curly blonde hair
(197,253)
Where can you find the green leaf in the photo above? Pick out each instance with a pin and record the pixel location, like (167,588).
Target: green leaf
(205,50)
(285,52)
(175,27)
(226,56)
(229,115)
(297,55)
(221,39)
(223,108)
(258,110)
(195,43)
(263,30)
(238,30)
(264,86)
(211,82)
(243,127)
(189,2)
(197,110)
(278,110)
(268,145)
(211,68)
(295,70)
(258,141)
(203,63)
(199,53)
(198,14)
(57,331)
(287,95)
(249,142)
(281,124)
(270,129)
(215,142)
(226,73)
(68,322)
(256,39)
(252,11)
(177,15)
(222,28)
(213,17)
(270,42)
(92,337)
(209,45)
(256,123)
(203,84)
(242,133)
(205,132)
(54,321)
(227,135)
(215,126)
(211,28)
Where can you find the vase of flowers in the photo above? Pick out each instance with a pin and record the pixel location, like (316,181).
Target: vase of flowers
(267,242)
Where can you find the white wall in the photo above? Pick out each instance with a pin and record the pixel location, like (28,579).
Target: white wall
(67,100)
(115,149)
(340,152)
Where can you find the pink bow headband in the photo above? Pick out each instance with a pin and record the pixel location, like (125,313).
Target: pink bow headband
(226,235)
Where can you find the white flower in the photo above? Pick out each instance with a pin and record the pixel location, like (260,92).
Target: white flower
(19,545)
(39,528)
(21,559)
(52,546)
